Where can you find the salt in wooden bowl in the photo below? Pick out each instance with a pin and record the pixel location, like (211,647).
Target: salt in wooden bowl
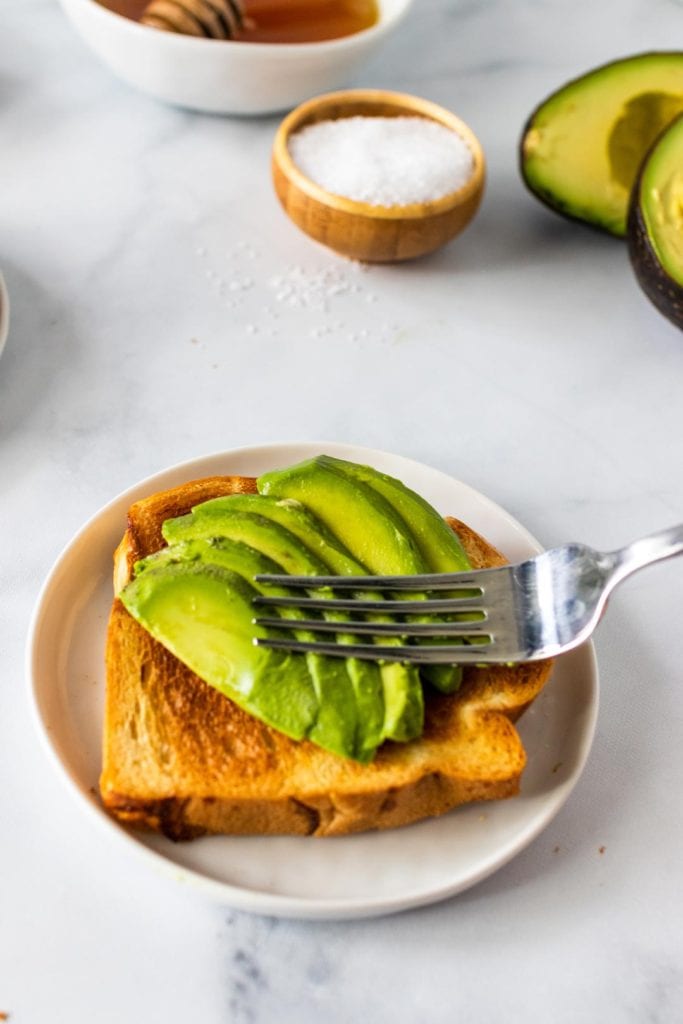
(360,230)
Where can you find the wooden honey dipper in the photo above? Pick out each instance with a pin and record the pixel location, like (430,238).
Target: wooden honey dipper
(215,19)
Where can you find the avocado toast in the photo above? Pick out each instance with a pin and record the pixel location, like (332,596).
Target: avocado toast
(182,758)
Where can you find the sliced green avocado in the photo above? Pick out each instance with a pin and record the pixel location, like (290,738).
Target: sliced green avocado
(402,692)
(655,226)
(342,724)
(362,519)
(296,518)
(203,614)
(367,522)
(437,543)
(582,147)
(260,533)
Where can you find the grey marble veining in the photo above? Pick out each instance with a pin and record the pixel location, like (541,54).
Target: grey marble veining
(163,308)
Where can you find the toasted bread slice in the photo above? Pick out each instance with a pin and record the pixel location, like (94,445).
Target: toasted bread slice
(182,759)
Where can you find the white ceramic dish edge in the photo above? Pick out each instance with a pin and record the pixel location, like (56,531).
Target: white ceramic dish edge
(239,897)
(226,77)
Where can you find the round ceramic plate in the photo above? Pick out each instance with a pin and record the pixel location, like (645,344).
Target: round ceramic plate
(354,876)
(4,313)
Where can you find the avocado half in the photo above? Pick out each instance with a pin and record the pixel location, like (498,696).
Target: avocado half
(582,147)
(655,224)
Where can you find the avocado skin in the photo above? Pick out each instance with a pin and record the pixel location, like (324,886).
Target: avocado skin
(661,289)
(597,221)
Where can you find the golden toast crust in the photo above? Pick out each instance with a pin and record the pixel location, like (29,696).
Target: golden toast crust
(182,759)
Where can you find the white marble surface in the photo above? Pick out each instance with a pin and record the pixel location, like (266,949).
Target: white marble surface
(522,359)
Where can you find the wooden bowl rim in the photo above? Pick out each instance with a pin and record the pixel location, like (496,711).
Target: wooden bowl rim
(306,113)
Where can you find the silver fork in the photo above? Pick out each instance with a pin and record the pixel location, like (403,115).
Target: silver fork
(535,609)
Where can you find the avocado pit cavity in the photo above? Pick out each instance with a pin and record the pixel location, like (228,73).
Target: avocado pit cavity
(582,147)
(642,119)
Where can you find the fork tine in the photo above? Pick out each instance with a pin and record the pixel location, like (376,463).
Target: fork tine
(426,581)
(438,605)
(458,654)
(445,629)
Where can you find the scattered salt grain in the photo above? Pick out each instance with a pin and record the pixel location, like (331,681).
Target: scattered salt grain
(383,161)
(304,289)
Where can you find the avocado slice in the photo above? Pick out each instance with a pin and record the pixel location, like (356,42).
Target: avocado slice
(348,723)
(437,543)
(367,522)
(362,519)
(655,225)
(203,614)
(256,531)
(296,518)
(401,689)
(582,147)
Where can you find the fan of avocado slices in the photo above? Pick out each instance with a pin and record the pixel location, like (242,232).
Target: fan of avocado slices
(582,148)
(324,516)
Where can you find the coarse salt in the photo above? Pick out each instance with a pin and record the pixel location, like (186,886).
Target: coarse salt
(383,161)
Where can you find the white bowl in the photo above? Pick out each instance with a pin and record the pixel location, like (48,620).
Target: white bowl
(226,77)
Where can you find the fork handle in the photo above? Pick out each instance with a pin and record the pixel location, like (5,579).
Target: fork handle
(653,548)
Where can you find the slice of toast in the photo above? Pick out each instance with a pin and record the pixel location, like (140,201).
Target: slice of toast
(183,760)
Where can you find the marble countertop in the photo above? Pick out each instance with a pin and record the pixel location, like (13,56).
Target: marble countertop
(163,307)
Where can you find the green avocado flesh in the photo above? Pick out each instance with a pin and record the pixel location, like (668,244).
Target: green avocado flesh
(323,517)
(363,520)
(402,694)
(582,148)
(262,534)
(438,545)
(661,201)
(375,517)
(296,518)
(203,614)
(350,712)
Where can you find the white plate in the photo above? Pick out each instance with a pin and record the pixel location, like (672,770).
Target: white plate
(4,313)
(355,876)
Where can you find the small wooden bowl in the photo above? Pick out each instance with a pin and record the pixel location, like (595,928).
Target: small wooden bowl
(373,234)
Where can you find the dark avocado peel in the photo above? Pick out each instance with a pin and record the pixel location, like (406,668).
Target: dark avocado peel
(581,148)
(195,595)
(655,224)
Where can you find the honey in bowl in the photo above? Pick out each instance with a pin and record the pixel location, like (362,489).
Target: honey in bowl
(284,21)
